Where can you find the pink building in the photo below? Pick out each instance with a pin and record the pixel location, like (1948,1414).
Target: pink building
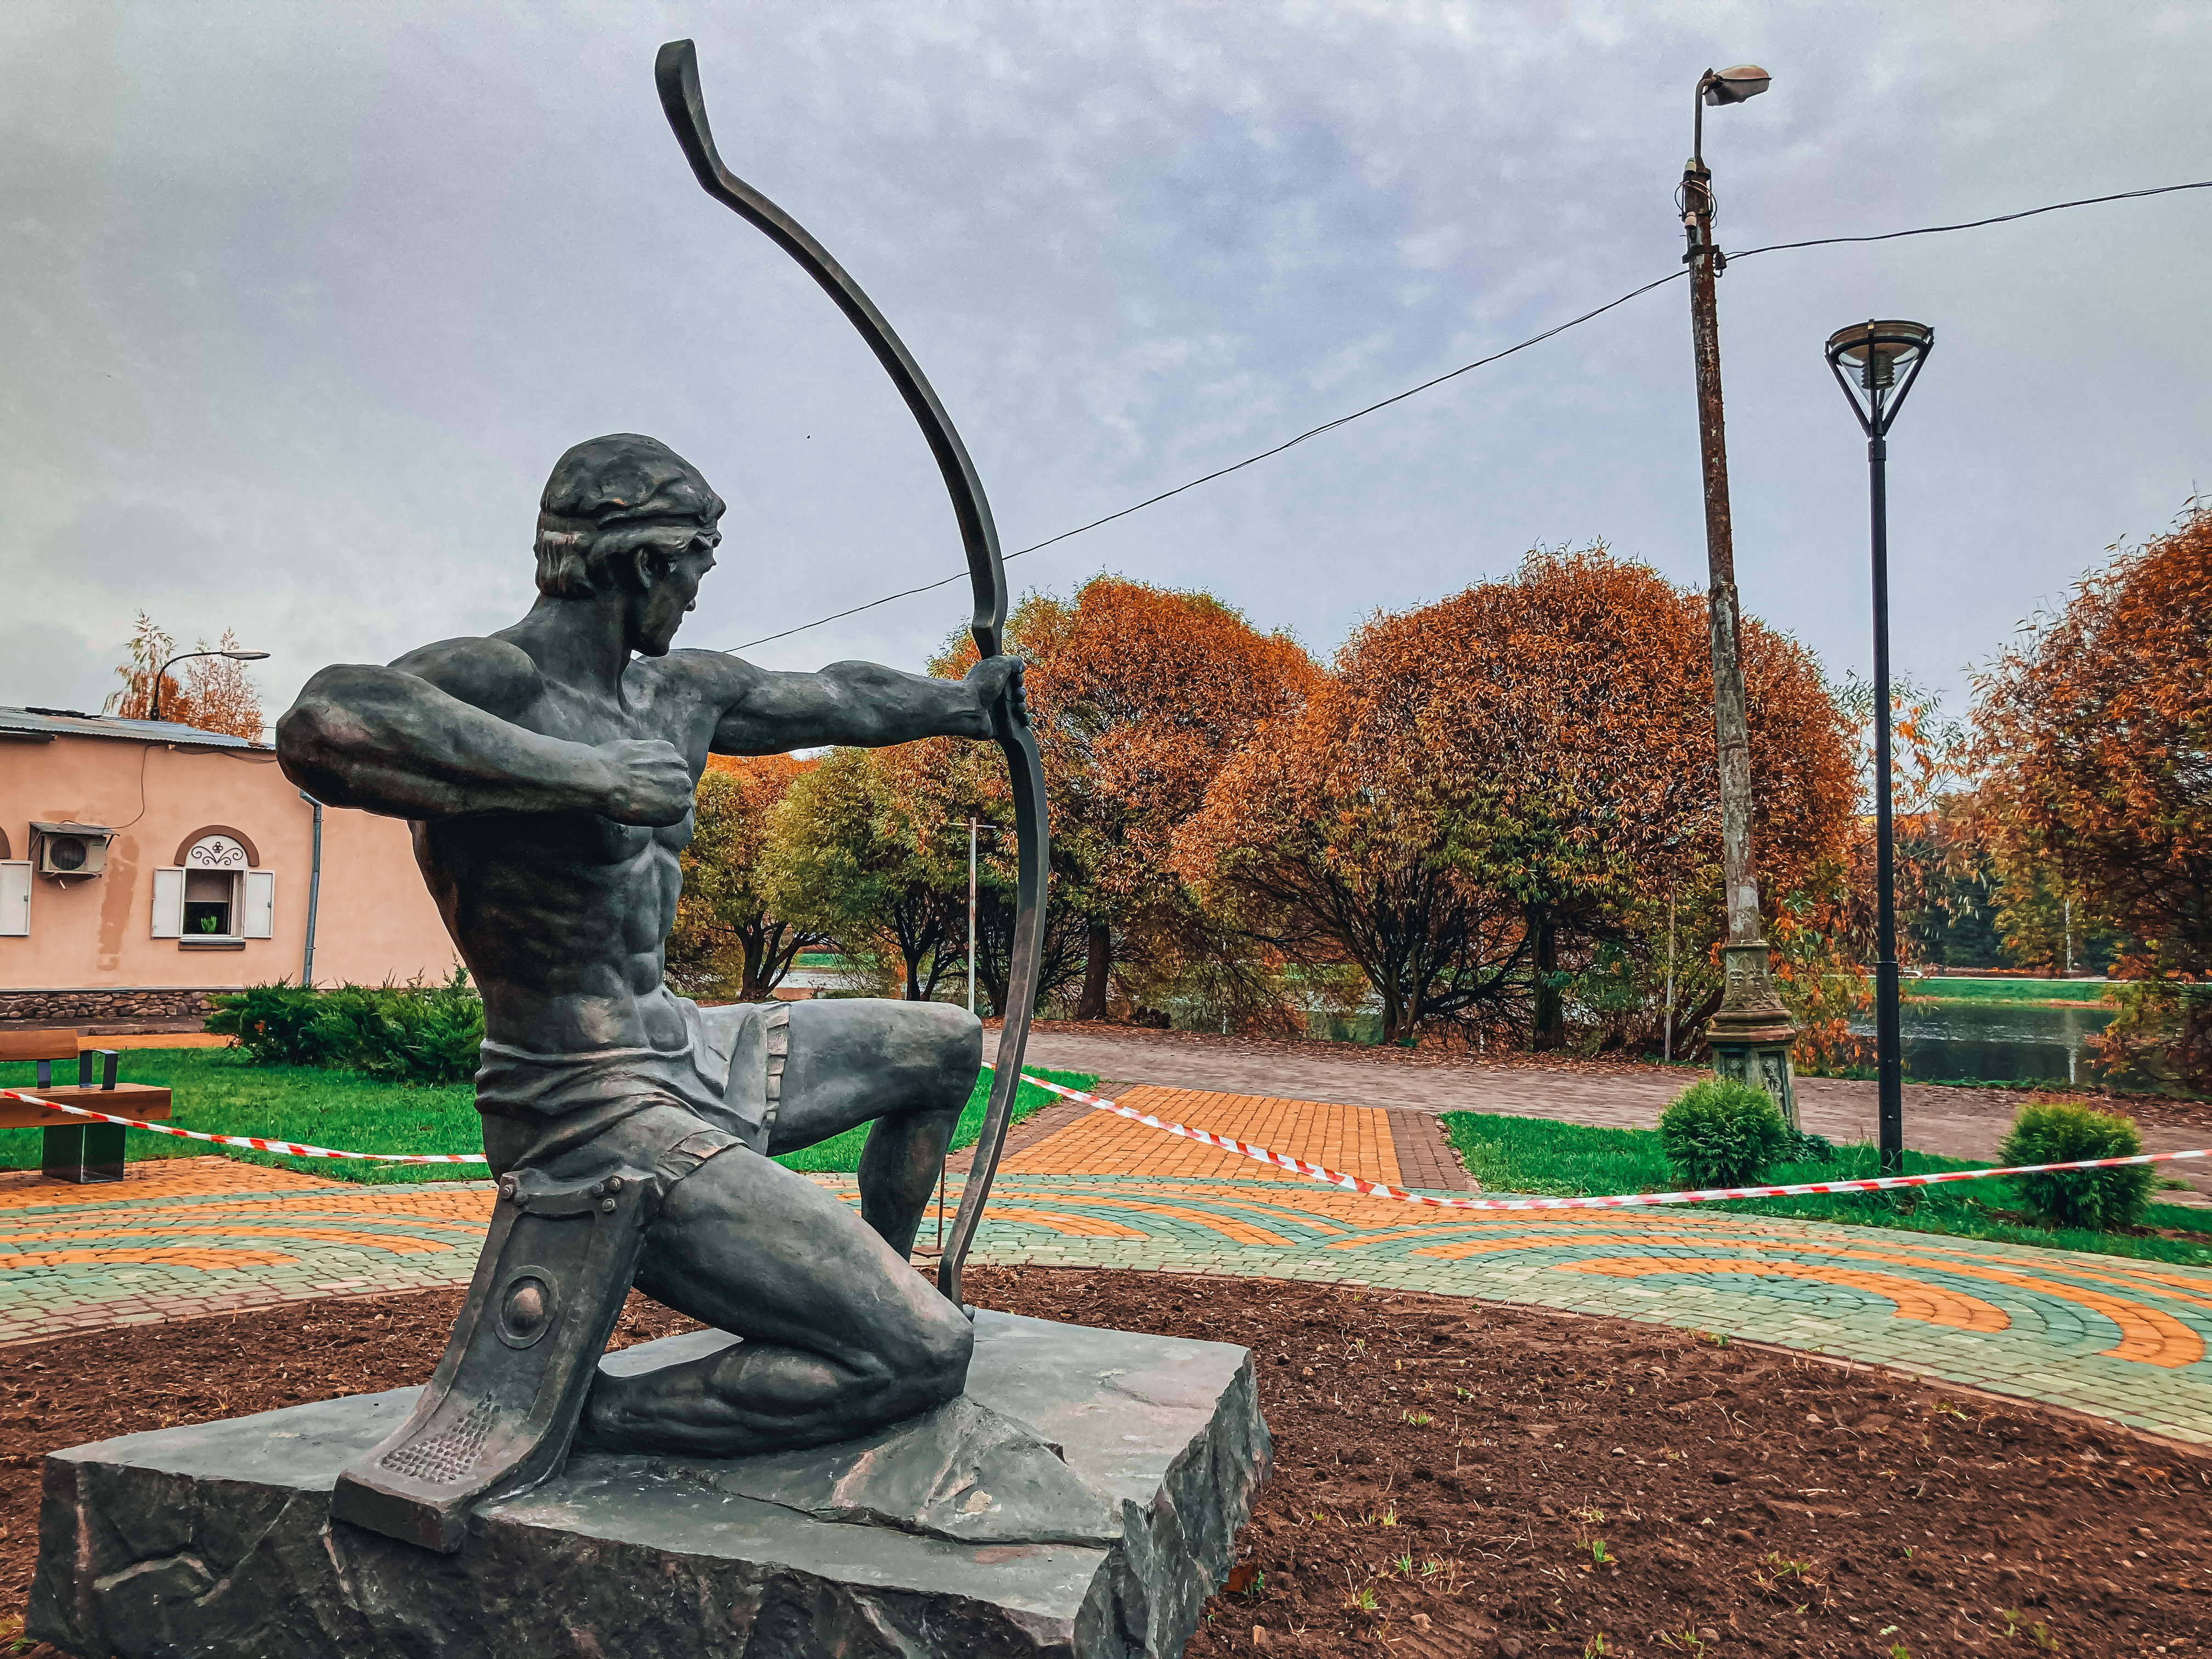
(144,864)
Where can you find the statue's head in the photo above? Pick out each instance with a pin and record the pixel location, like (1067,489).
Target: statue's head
(626,514)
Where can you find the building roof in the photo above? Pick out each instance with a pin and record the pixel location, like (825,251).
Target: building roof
(42,724)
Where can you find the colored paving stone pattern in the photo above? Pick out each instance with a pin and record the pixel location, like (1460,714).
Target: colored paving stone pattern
(2121,1339)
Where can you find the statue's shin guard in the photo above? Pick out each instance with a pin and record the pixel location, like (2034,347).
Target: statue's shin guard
(499,1412)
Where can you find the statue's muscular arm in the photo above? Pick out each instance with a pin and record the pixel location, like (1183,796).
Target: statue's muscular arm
(860,703)
(434,736)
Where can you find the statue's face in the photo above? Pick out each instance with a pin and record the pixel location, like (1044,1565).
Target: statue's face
(667,595)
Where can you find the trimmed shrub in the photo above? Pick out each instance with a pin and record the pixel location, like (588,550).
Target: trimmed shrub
(1801,1147)
(2059,1131)
(1721,1132)
(275,1024)
(404,1033)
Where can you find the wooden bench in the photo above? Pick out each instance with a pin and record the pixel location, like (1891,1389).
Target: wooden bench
(76,1149)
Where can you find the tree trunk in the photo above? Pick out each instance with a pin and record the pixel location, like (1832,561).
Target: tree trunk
(1091,1005)
(1548,1029)
(1393,1006)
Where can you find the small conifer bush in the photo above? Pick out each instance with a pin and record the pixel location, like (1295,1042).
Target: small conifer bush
(413,1033)
(2059,1131)
(1721,1132)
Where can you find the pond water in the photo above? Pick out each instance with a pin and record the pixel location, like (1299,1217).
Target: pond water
(2000,1042)
(1946,1042)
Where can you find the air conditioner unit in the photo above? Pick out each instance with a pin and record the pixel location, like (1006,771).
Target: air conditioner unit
(72,849)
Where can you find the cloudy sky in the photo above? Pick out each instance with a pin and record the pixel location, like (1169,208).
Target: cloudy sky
(302,303)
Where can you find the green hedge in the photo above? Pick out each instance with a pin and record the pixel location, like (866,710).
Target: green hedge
(413,1033)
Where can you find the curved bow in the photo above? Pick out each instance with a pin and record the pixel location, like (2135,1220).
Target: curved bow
(676,71)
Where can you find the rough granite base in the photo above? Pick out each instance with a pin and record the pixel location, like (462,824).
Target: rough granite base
(216,1539)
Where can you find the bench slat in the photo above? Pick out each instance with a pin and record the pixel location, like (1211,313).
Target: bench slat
(38,1045)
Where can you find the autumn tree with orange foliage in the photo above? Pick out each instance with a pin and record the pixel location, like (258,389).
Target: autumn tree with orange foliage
(728,941)
(1138,694)
(2096,733)
(1492,795)
(210,693)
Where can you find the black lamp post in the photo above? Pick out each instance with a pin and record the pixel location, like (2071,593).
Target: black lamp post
(185,656)
(1885,359)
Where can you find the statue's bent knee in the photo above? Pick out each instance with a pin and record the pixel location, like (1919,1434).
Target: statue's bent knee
(929,1362)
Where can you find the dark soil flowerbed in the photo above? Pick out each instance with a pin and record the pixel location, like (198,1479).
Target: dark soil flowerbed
(1451,1479)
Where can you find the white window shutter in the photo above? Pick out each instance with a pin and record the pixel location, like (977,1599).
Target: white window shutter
(14,898)
(168,904)
(260,905)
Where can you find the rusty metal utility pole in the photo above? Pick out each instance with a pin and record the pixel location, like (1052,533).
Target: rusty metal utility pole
(1751,1034)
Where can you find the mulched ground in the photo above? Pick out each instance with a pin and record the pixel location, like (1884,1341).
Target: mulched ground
(1451,1479)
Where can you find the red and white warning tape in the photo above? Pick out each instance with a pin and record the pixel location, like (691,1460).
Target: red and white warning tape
(289,1148)
(1352,1183)
(1336,1178)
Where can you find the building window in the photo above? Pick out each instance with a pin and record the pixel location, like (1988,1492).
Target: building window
(210,901)
(214,894)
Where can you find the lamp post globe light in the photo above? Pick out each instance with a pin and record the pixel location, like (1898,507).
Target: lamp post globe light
(154,713)
(1876,363)
(1751,1033)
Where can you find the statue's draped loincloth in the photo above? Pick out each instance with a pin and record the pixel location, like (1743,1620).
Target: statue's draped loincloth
(664,1110)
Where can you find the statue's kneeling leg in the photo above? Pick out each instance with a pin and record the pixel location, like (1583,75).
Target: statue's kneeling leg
(906,1068)
(842,1336)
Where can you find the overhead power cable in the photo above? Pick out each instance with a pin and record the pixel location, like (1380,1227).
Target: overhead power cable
(1466,368)
(1234,466)
(1976,224)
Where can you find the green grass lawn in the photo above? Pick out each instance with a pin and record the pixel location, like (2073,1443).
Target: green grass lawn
(219,1091)
(1985,992)
(1537,1156)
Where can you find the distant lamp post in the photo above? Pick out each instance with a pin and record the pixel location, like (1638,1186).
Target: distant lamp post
(185,656)
(1751,1033)
(1876,363)
(975,827)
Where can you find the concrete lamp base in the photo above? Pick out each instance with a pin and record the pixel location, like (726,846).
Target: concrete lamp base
(1752,1034)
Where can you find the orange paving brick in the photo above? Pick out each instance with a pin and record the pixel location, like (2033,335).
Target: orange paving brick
(1062,1221)
(466,1211)
(2147,1336)
(182,1256)
(397,1244)
(1240,1232)
(1356,1139)
(156,1177)
(1930,1304)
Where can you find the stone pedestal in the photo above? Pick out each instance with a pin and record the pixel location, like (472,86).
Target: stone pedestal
(1126,1464)
(1751,1033)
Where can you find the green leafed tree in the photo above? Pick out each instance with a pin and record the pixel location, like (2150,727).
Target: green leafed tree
(844,859)
(730,940)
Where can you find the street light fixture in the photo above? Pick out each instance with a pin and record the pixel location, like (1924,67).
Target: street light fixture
(1716,87)
(1885,359)
(1751,1033)
(184,656)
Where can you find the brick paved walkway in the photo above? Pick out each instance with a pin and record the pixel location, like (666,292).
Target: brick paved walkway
(2125,1339)
(1953,1122)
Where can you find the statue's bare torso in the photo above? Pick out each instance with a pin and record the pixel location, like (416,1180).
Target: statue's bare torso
(563,918)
